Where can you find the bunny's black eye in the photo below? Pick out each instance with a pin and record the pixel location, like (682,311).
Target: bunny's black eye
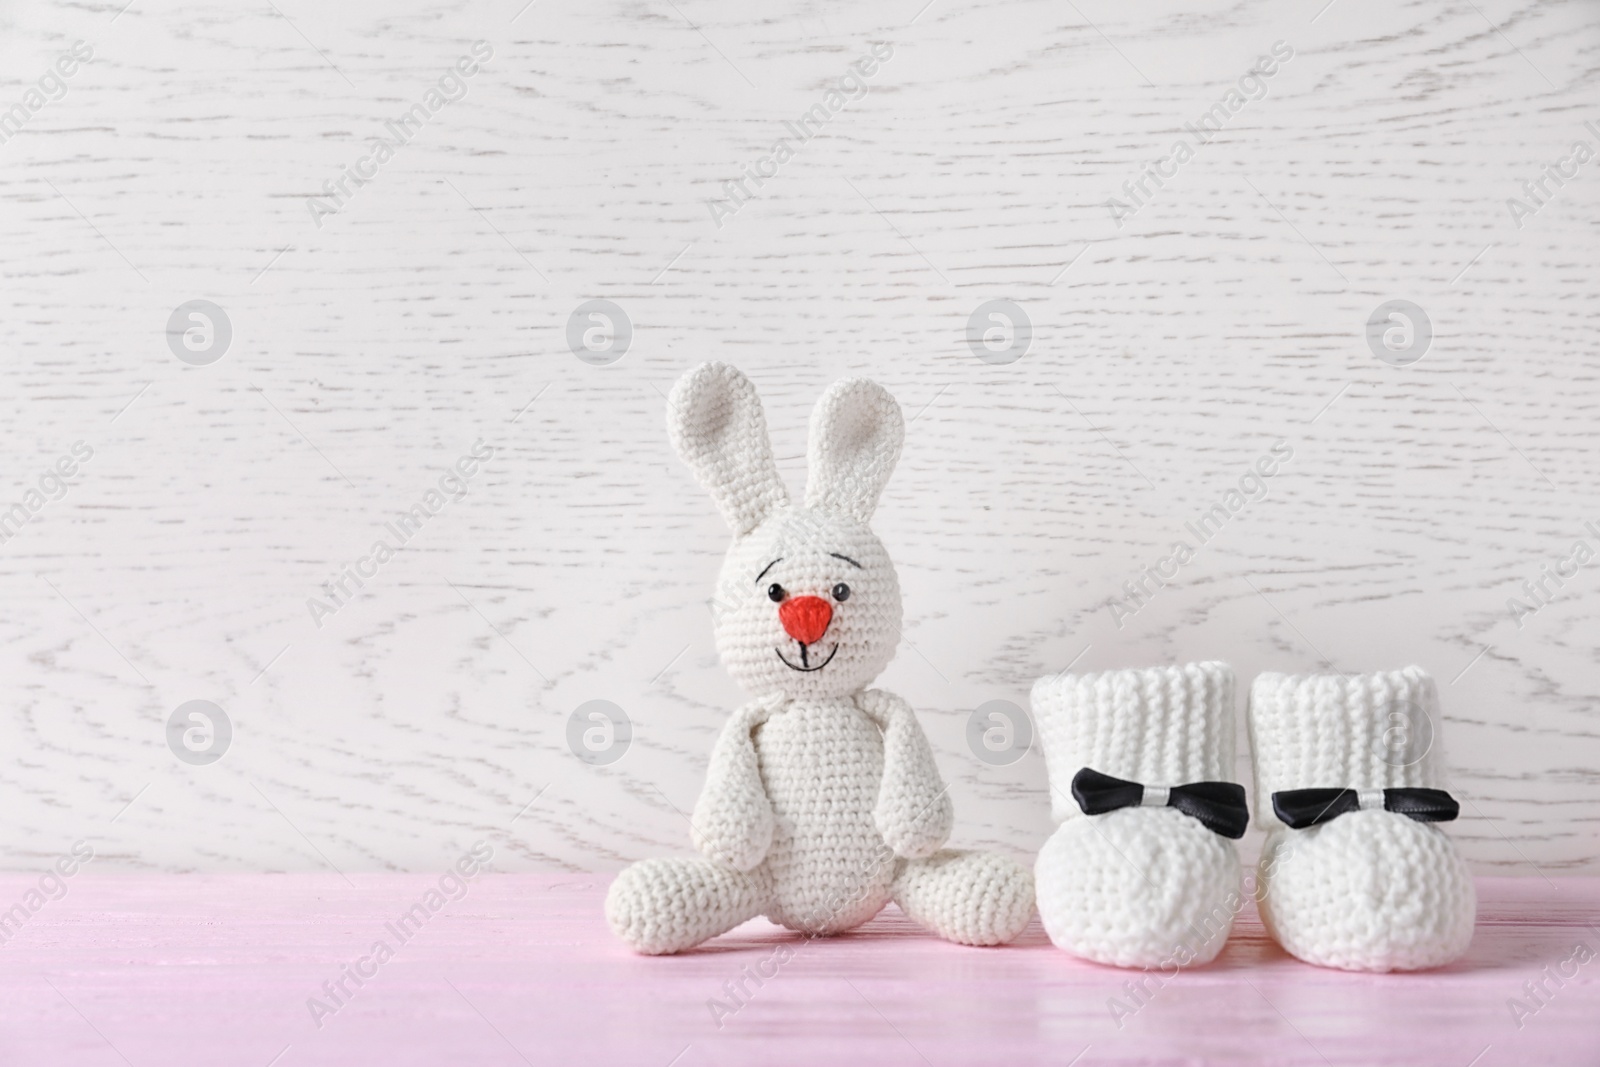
(776,593)
(841,592)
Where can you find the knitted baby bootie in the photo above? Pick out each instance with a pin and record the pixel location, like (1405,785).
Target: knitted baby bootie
(1349,784)
(1142,870)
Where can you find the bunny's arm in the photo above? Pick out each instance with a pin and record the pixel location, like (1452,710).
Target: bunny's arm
(732,819)
(914,813)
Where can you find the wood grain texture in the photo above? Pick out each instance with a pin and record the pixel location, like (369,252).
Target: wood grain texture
(203,969)
(1167,354)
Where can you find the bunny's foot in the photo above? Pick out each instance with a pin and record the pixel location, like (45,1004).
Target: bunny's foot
(660,906)
(971,898)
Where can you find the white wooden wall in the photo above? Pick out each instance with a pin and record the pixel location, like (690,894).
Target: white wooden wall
(1167,354)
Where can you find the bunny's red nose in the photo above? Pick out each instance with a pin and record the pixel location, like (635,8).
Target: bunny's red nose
(805,618)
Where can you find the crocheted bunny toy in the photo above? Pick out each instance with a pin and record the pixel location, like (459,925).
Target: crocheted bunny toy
(822,802)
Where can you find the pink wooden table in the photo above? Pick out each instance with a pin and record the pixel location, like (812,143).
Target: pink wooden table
(218,970)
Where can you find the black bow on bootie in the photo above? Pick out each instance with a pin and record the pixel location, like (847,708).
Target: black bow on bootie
(1300,808)
(1219,806)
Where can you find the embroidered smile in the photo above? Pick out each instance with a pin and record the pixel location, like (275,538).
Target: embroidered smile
(805,659)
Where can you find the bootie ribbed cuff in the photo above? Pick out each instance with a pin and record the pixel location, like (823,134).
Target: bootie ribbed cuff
(1328,731)
(1159,726)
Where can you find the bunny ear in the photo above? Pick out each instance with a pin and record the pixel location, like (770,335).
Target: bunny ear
(856,432)
(714,419)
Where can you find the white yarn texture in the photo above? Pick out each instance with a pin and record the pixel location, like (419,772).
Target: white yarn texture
(1368,890)
(822,800)
(1144,886)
